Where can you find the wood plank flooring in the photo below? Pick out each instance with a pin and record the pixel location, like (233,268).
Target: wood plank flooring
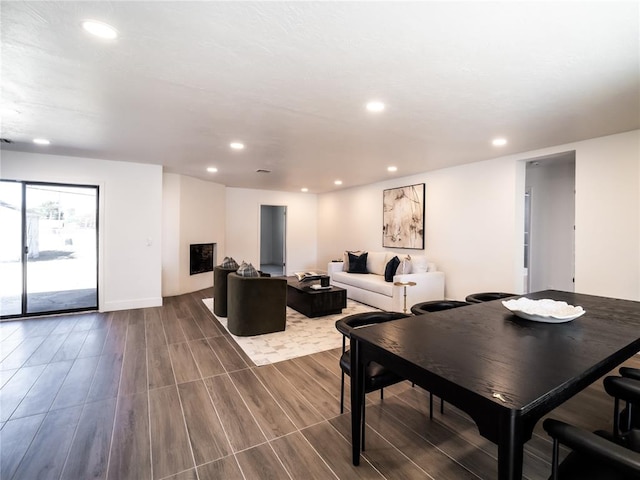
(165,393)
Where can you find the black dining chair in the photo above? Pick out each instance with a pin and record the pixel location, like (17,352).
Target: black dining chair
(487,296)
(431,307)
(599,455)
(626,389)
(630,372)
(436,306)
(593,456)
(376,377)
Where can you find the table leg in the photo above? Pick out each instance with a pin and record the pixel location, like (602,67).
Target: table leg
(357,400)
(510,450)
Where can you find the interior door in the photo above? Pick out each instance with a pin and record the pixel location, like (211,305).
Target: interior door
(52,262)
(273,227)
(550,182)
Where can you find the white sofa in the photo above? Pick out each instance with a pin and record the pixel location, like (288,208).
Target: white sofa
(372,289)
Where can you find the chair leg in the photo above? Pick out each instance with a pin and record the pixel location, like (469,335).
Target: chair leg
(442,406)
(382,394)
(627,420)
(616,418)
(430,406)
(342,394)
(363,420)
(554,459)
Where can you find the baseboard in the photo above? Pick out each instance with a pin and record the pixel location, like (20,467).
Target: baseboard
(131,304)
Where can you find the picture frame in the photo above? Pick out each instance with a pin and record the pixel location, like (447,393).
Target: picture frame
(403,217)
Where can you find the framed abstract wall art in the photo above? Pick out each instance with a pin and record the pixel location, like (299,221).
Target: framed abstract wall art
(403,217)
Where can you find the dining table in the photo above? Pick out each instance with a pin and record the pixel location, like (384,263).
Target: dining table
(504,371)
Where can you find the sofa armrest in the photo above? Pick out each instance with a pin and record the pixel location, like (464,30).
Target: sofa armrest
(334,267)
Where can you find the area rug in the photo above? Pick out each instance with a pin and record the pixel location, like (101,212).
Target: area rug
(302,336)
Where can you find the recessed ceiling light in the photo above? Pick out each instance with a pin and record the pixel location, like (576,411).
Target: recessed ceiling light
(212,169)
(237,145)
(338,182)
(392,169)
(41,141)
(375,106)
(100,29)
(499,142)
(304,189)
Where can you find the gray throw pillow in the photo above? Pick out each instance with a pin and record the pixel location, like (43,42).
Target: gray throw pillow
(229,262)
(247,270)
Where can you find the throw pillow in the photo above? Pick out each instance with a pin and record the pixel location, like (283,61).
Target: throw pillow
(229,262)
(358,263)
(390,269)
(405,266)
(419,264)
(247,270)
(345,258)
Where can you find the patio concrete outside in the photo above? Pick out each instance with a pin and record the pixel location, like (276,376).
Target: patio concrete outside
(63,282)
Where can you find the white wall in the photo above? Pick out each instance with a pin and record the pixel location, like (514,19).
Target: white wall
(461,205)
(474,219)
(607,216)
(129,220)
(193,212)
(243,232)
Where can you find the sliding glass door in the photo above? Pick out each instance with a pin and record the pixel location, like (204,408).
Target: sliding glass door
(11,283)
(49,253)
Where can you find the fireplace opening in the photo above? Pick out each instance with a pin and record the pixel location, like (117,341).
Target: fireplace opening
(201,257)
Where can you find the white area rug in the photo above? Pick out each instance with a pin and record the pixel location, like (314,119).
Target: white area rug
(302,335)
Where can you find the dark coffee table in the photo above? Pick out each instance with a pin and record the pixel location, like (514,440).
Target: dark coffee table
(315,303)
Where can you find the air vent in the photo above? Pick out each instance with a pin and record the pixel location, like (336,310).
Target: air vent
(262,170)
(5,140)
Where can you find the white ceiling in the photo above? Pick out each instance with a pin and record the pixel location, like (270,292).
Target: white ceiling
(290,80)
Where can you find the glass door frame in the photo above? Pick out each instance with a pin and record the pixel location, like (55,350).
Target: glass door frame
(24,249)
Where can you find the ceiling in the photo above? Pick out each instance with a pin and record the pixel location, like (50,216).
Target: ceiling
(290,80)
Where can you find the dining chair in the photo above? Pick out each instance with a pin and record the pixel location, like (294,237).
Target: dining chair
(593,455)
(487,296)
(599,455)
(431,307)
(630,372)
(628,390)
(376,377)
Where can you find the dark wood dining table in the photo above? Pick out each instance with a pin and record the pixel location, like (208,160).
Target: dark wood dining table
(504,371)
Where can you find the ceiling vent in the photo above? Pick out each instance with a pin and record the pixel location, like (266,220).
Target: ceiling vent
(262,170)
(5,140)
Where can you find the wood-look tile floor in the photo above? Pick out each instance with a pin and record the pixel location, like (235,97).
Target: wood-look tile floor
(164,393)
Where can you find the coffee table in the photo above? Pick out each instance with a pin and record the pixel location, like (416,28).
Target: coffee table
(315,303)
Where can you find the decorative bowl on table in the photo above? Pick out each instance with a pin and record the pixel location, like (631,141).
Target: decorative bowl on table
(545,310)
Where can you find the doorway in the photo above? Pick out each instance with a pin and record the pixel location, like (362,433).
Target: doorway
(273,229)
(549,235)
(48,249)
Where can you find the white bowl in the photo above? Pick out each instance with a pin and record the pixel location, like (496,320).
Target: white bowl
(545,310)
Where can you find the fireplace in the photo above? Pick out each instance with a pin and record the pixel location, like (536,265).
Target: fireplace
(202,256)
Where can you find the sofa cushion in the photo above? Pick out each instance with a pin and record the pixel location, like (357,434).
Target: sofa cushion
(247,270)
(370,282)
(376,262)
(390,269)
(358,263)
